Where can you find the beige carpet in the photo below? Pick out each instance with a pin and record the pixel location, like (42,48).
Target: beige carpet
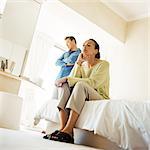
(25,140)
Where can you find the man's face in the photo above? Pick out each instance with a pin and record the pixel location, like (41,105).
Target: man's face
(70,44)
(89,49)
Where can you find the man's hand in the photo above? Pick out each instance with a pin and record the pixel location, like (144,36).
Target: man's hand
(59,82)
(69,64)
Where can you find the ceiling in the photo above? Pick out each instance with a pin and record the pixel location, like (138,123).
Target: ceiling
(18,21)
(129,9)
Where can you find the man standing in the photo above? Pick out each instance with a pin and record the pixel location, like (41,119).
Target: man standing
(68,59)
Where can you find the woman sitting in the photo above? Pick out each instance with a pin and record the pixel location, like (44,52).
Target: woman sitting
(89,80)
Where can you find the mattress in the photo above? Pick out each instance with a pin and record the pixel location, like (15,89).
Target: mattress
(23,140)
(126,123)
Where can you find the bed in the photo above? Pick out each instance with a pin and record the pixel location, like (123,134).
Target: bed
(120,124)
(25,140)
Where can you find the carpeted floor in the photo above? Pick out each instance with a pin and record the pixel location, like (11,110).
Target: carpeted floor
(26,140)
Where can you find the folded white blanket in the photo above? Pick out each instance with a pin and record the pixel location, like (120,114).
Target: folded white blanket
(127,123)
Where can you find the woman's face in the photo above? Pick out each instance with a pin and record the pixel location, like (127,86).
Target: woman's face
(89,49)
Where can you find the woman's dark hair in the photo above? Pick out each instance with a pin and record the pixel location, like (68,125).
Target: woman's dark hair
(96,47)
(71,38)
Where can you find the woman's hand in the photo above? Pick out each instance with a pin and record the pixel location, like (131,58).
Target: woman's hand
(80,59)
(59,82)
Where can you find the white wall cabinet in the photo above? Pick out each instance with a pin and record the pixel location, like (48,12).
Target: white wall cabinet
(33,96)
(9,83)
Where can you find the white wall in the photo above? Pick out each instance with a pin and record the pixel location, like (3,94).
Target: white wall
(129,63)
(148,58)
(16,30)
(18,21)
(14,52)
(101,15)
(128,60)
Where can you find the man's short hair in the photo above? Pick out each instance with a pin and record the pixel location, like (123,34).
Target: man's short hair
(71,38)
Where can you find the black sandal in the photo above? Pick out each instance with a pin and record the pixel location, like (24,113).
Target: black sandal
(48,136)
(62,137)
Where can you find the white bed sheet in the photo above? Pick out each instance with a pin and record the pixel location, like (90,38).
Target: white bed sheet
(23,140)
(127,123)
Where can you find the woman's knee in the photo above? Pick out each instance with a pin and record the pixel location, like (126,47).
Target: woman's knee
(65,86)
(80,85)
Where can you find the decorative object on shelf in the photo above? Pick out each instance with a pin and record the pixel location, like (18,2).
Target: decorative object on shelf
(2,7)
(6,65)
(2,65)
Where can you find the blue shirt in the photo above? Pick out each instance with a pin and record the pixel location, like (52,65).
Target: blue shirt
(67,57)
